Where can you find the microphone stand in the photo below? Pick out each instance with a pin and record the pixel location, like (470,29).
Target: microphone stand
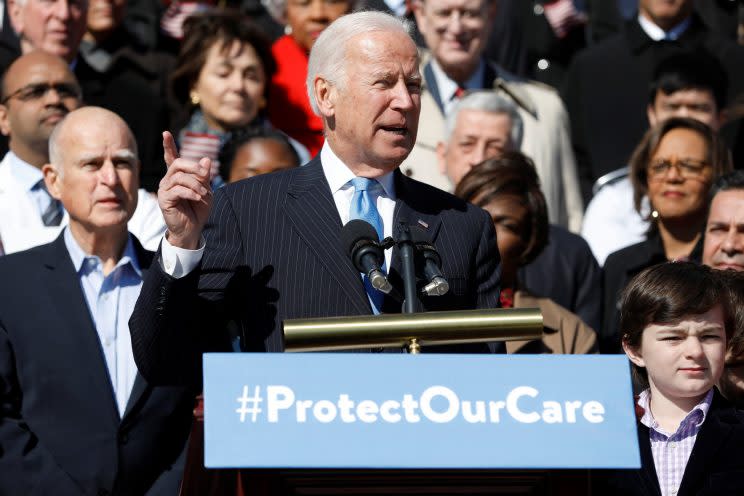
(406,249)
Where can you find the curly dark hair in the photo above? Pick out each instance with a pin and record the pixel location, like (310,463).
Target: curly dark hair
(216,26)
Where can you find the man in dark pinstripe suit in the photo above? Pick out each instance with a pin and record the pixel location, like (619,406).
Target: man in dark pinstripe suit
(268,248)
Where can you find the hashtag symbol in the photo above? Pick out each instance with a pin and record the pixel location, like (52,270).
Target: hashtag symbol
(249,405)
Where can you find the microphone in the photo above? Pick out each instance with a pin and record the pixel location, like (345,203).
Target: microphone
(437,285)
(360,240)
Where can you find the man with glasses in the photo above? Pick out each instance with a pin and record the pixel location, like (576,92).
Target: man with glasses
(123,84)
(456,33)
(37,91)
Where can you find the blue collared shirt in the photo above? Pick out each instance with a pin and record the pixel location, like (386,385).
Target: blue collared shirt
(111,300)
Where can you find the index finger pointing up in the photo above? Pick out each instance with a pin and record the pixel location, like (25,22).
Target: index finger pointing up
(170,152)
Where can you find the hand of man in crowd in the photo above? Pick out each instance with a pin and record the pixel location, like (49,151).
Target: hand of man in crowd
(184,195)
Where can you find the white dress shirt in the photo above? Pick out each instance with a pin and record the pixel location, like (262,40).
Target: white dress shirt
(22,202)
(657,34)
(178,262)
(447,87)
(28,177)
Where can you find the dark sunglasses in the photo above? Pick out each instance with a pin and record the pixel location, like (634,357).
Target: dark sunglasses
(37,91)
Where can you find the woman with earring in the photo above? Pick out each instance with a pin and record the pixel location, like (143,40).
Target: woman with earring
(674,166)
(221,78)
(304,20)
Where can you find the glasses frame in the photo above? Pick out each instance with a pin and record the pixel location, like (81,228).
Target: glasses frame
(60,88)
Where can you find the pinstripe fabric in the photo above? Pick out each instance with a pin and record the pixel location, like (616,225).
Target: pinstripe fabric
(274,252)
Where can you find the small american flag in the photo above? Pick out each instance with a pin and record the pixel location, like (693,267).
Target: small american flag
(195,146)
(172,20)
(562,16)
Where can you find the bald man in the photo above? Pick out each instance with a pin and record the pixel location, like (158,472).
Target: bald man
(37,91)
(76,415)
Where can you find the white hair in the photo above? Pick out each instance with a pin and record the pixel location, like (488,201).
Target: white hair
(486,101)
(328,56)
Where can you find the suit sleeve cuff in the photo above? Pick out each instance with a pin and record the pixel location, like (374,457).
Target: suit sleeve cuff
(178,262)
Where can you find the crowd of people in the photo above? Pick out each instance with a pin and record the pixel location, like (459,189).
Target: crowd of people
(176,175)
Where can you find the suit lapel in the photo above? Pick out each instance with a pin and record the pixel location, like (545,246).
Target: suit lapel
(312,211)
(712,435)
(410,208)
(66,297)
(647,474)
(144,258)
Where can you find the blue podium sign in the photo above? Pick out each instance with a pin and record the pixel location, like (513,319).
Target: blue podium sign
(342,410)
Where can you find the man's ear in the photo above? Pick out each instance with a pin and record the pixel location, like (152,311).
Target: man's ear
(651,115)
(52,180)
(325,96)
(417,6)
(722,118)
(441,157)
(4,124)
(14,13)
(634,354)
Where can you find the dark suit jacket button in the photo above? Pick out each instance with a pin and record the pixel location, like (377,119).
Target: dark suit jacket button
(102,492)
(123,438)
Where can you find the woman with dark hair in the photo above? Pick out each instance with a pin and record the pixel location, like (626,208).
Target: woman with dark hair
(221,78)
(508,188)
(674,165)
(676,319)
(256,150)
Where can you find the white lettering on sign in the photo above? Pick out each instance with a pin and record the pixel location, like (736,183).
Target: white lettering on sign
(436,404)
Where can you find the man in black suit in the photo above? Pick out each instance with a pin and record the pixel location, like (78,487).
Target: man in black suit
(271,249)
(75,415)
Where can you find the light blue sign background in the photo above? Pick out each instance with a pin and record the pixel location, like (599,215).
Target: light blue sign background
(458,444)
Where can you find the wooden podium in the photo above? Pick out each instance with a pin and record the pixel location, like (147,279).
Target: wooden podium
(200,481)
(398,331)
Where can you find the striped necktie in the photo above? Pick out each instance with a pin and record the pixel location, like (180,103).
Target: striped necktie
(53,213)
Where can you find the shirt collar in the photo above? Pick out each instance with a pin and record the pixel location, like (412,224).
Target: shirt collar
(447,87)
(697,414)
(657,34)
(338,174)
(26,174)
(79,256)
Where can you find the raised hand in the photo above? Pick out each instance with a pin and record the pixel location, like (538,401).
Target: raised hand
(184,196)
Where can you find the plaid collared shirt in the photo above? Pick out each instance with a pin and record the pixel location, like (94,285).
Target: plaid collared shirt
(671,451)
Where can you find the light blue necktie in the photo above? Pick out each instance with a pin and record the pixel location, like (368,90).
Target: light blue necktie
(363,207)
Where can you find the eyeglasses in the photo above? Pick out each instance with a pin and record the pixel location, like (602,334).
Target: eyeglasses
(687,168)
(38,91)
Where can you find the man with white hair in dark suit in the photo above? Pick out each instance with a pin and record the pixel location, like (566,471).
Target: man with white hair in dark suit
(269,248)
